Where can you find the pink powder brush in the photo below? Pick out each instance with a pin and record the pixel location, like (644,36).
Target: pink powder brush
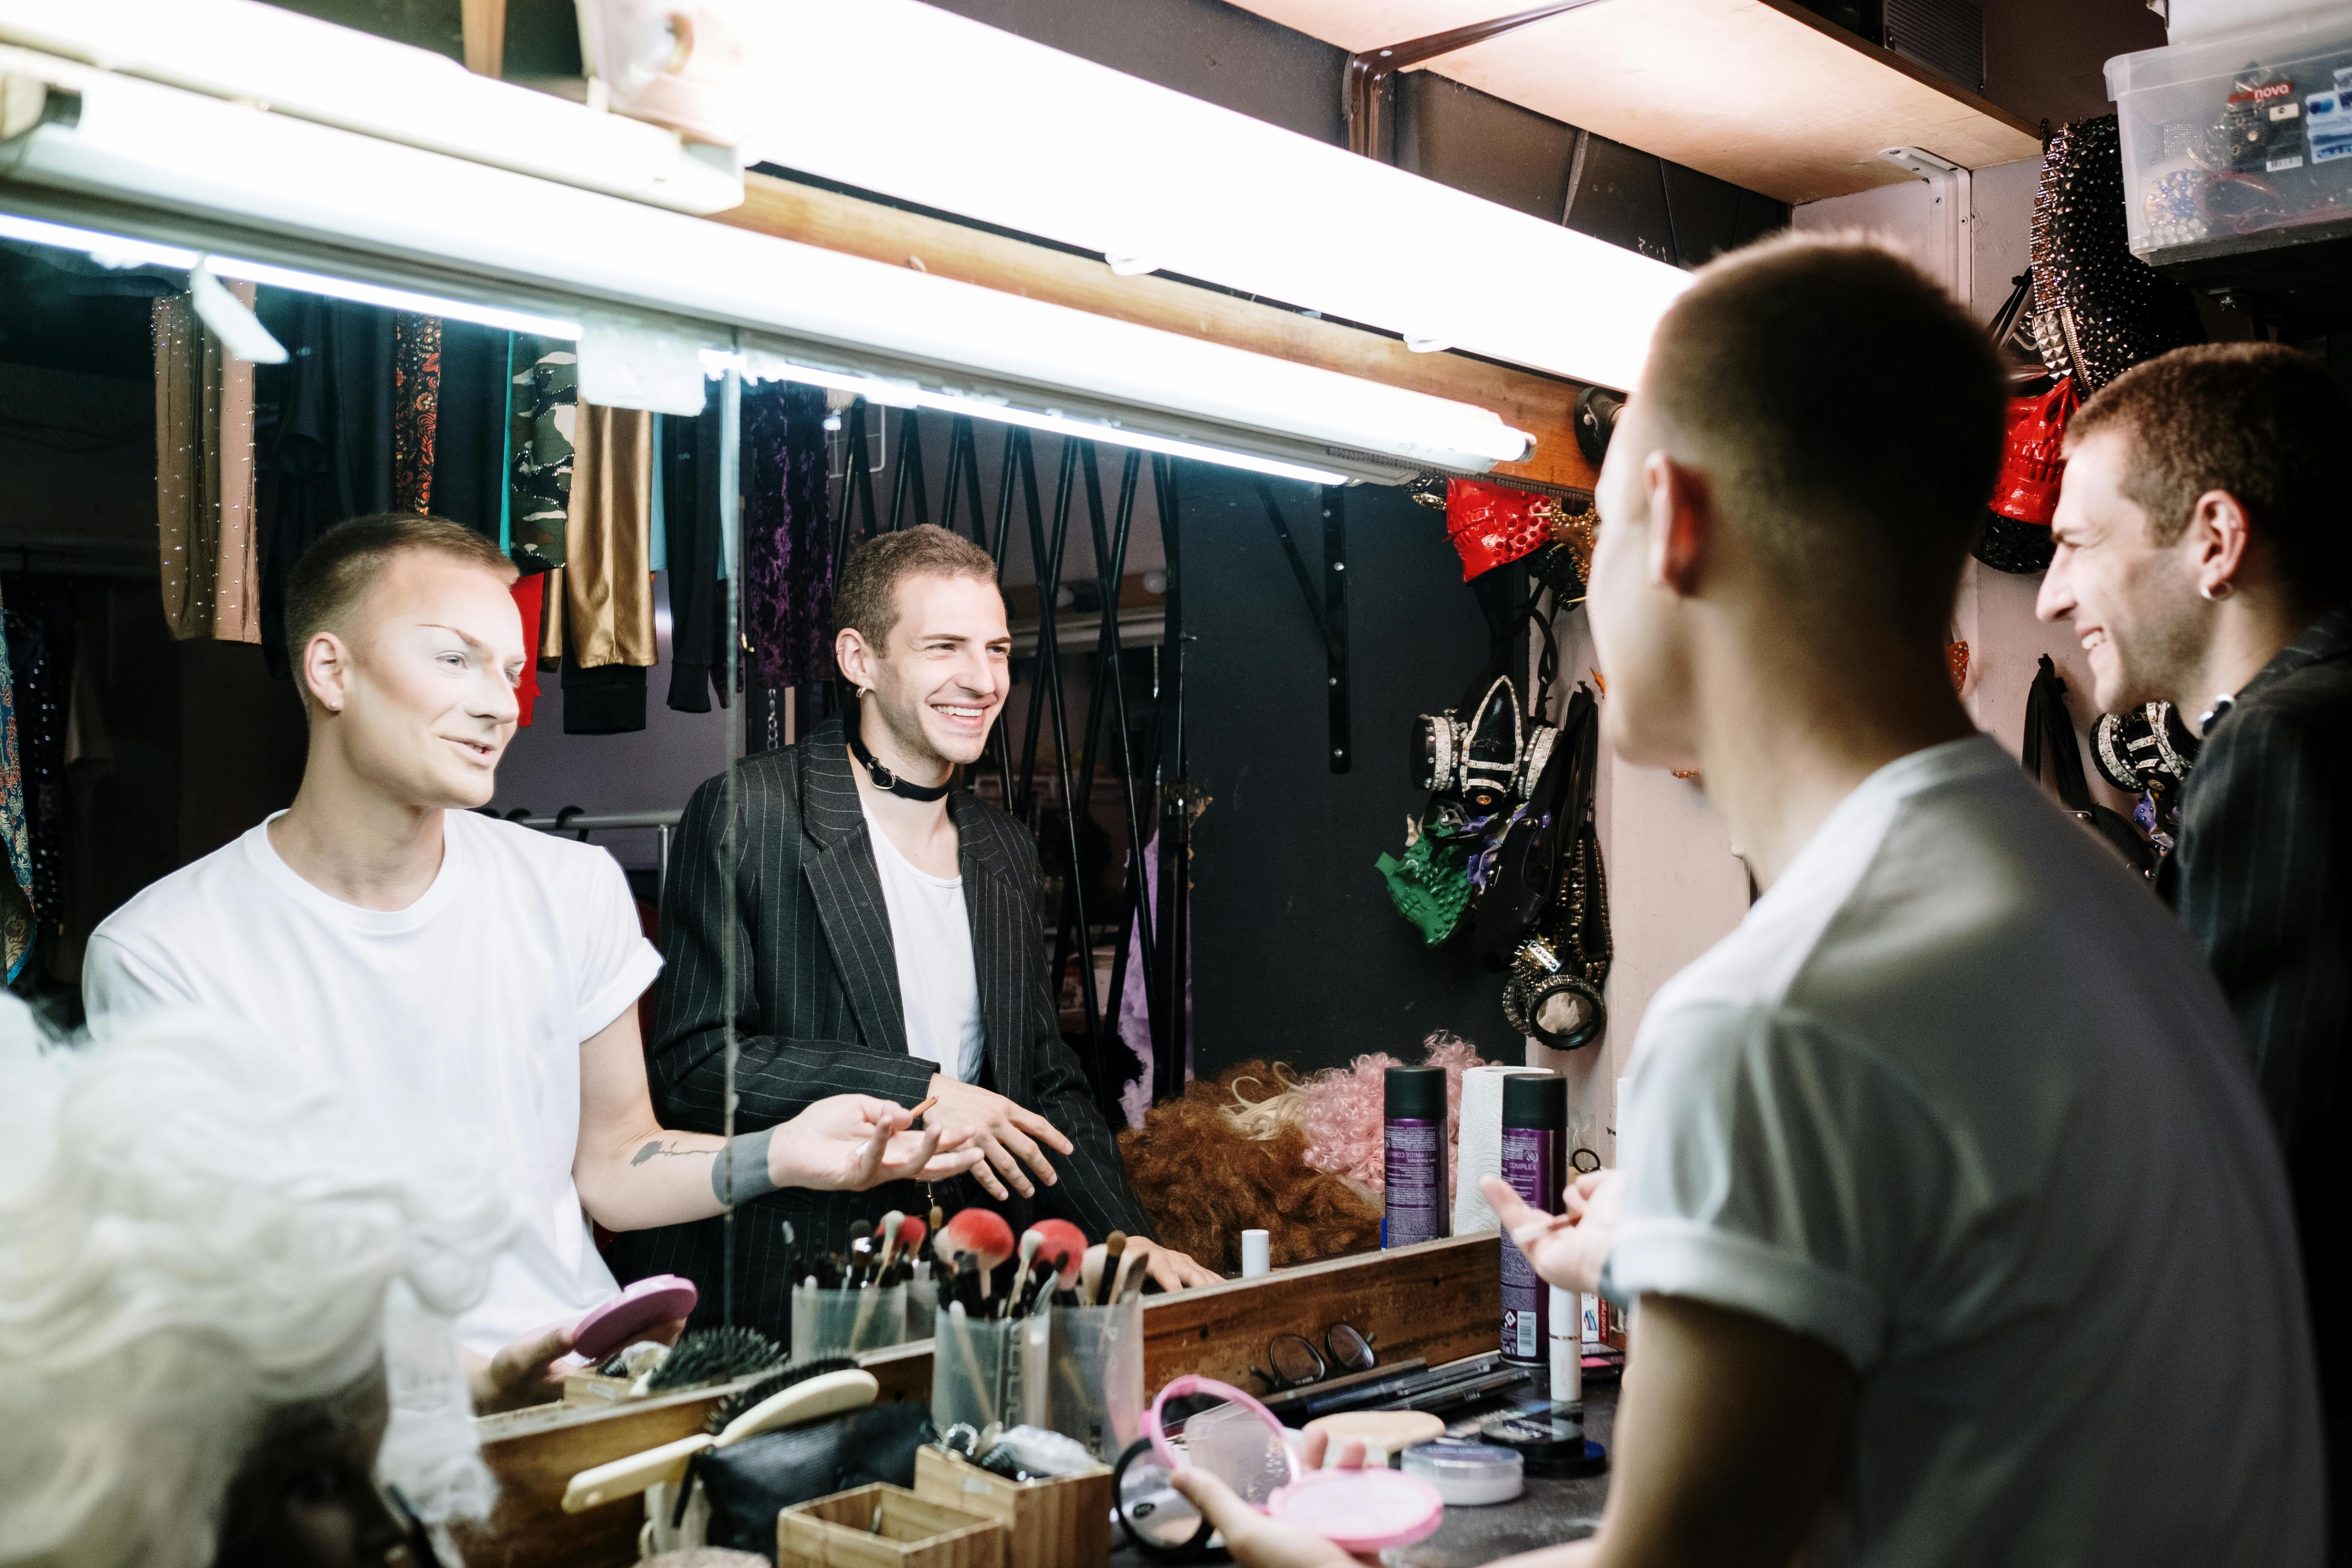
(981,1233)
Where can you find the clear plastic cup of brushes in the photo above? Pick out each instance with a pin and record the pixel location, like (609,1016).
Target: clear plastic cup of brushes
(1095,1390)
(844,1322)
(989,1370)
(922,1302)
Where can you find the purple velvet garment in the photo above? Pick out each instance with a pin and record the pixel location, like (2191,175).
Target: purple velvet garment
(787,536)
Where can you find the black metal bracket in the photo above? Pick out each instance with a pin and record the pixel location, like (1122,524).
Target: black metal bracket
(1327,608)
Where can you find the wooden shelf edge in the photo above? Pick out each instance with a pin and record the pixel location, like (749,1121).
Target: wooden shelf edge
(1542,406)
(1901,66)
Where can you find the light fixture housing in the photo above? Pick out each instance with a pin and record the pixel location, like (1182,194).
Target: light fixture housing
(309,70)
(167,166)
(995,127)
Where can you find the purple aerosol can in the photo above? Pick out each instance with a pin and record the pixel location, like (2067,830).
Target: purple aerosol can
(1412,1119)
(1535,1163)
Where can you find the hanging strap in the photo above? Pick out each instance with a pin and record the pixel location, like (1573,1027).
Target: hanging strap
(2049,752)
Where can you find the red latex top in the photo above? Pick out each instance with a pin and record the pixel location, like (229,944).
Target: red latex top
(2031,463)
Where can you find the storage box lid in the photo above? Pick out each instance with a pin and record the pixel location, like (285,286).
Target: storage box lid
(2325,30)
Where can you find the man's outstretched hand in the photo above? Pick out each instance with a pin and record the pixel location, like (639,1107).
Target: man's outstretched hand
(1169,1269)
(1006,1134)
(848,1142)
(1567,1250)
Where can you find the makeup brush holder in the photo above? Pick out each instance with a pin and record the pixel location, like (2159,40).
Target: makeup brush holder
(1095,1390)
(844,1322)
(922,1302)
(988,1369)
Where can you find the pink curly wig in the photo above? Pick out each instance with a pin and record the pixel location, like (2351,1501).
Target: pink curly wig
(1341,1109)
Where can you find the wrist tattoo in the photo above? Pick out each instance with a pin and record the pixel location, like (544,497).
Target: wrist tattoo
(742,1166)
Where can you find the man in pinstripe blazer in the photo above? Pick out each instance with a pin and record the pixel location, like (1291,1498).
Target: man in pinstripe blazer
(2204,560)
(884,934)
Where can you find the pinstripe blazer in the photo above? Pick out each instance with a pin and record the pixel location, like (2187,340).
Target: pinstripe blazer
(817,1011)
(2262,875)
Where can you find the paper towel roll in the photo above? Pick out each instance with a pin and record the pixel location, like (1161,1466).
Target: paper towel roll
(1480,1152)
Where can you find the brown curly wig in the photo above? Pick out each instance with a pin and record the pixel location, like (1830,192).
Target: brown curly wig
(1203,1182)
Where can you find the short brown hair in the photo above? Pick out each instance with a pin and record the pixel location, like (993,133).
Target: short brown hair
(335,573)
(1848,413)
(868,601)
(2261,421)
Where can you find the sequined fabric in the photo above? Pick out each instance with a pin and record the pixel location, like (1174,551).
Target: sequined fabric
(204,512)
(2098,309)
(415,408)
(787,536)
(15,886)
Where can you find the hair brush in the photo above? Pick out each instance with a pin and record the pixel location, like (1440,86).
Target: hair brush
(743,1401)
(713,1355)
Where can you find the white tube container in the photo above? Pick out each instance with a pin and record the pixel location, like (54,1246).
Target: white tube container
(1257,1258)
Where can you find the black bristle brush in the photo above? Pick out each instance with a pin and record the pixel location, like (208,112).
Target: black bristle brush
(714,1355)
(743,1399)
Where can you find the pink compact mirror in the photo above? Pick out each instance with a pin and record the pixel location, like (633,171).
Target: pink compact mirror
(1240,1442)
(649,1303)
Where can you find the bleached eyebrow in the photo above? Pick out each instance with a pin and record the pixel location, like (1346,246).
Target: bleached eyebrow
(473,643)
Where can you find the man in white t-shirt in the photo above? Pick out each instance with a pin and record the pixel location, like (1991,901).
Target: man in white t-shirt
(1955,1230)
(453,968)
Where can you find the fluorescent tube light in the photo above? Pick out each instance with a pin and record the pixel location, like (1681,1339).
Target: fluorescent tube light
(904,394)
(1000,129)
(114,250)
(105,250)
(330,203)
(311,69)
(393,299)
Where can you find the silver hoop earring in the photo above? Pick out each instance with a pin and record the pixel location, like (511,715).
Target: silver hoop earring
(2214,592)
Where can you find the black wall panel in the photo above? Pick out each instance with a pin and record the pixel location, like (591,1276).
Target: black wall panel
(1296,952)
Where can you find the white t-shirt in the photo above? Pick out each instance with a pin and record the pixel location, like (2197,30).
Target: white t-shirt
(931,935)
(468,1009)
(1961,1100)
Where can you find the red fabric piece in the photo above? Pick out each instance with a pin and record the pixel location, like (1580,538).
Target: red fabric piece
(1492,526)
(2031,464)
(529,598)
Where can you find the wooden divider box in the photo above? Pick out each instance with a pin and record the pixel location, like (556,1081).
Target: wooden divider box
(883,1526)
(1064,1522)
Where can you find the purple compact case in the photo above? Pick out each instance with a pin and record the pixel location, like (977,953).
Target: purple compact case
(663,1299)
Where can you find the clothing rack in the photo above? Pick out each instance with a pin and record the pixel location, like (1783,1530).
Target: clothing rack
(581,823)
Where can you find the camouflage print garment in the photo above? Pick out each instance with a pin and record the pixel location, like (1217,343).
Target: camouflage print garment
(546,401)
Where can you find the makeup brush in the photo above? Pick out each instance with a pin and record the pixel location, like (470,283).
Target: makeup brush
(1090,1274)
(1019,1294)
(910,1248)
(892,1223)
(1119,1287)
(1042,1287)
(1114,1253)
(859,1230)
(1060,1237)
(942,1265)
(984,1234)
(968,1284)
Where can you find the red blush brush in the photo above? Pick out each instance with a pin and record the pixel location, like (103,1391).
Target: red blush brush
(1060,1239)
(984,1234)
(911,1240)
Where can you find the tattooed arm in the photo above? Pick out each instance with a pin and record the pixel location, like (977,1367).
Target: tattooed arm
(632,1174)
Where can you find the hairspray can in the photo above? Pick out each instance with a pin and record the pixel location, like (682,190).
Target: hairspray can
(1412,1137)
(1535,1134)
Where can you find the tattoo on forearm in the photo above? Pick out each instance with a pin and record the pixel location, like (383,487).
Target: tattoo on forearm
(743,1163)
(670,1151)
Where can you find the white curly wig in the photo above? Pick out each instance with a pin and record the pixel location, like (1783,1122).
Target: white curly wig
(196,1228)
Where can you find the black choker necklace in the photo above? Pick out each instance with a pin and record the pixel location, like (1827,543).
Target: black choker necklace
(883,777)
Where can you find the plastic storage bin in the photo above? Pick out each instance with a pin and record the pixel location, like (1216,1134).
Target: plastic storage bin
(2238,143)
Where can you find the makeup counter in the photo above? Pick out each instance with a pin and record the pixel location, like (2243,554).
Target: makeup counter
(1432,1304)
